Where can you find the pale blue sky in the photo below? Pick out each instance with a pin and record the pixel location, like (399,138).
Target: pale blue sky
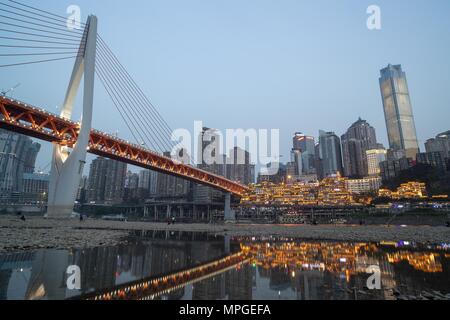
(289,64)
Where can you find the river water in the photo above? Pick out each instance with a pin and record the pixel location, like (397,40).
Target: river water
(273,268)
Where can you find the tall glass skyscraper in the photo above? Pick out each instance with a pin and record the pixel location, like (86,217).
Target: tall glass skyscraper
(398,111)
(306,146)
(330,154)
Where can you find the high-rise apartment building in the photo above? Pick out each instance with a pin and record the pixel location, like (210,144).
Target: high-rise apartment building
(17,156)
(239,167)
(144,179)
(398,111)
(106,181)
(215,163)
(359,138)
(168,187)
(96,181)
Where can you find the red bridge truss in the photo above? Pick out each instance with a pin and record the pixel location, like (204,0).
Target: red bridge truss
(38,123)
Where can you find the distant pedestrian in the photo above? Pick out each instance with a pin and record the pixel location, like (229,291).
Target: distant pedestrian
(448,224)
(23,218)
(81,218)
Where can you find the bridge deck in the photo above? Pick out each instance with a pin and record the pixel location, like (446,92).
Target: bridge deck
(38,123)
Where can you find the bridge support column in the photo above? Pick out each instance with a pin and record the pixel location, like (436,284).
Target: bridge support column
(230,215)
(67,166)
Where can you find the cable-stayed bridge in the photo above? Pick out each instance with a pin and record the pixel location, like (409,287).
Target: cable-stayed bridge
(30,35)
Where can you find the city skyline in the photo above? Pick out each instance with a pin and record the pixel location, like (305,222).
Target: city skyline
(199,150)
(286,85)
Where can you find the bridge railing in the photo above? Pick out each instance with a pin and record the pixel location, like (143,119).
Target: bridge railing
(25,119)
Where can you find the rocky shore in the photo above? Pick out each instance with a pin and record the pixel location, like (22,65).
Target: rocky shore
(37,233)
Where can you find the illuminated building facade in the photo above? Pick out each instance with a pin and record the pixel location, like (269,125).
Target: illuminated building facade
(363,186)
(410,190)
(374,158)
(330,192)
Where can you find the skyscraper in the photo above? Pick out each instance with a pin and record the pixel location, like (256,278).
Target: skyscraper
(239,167)
(106,181)
(306,145)
(17,156)
(96,182)
(439,144)
(398,111)
(359,138)
(297,161)
(303,142)
(330,154)
(116,172)
(208,142)
(170,187)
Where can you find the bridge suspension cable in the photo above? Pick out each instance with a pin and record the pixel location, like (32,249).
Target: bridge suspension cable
(49,37)
(152,125)
(43,11)
(118,103)
(51,40)
(133,102)
(42,18)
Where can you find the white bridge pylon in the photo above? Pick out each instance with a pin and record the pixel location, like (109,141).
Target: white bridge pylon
(67,166)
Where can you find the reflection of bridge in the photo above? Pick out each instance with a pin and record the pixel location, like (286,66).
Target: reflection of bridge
(93,57)
(150,289)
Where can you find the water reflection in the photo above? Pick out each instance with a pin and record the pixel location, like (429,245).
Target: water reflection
(268,269)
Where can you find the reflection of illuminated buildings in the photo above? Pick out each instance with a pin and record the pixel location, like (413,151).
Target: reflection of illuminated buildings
(305,256)
(312,261)
(321,270)
(419,261)
(410,190)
